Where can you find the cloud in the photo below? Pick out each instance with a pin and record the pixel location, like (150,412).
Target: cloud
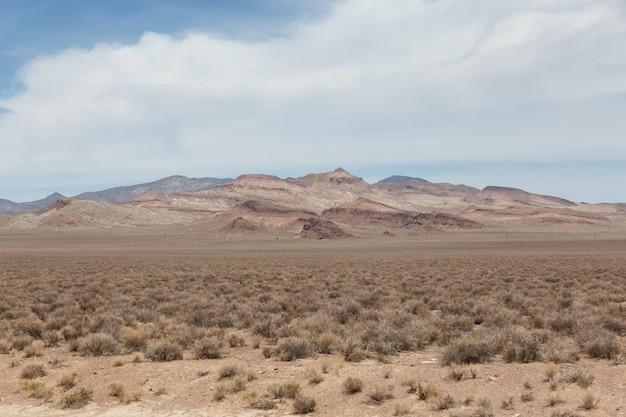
(372,83)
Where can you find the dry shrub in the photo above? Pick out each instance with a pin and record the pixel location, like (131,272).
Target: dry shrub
(229,371)
(286,390)
(235,341)
(69,332)
(444,402)
(589,401)
(426,391)
(351,349)
(599,343)
(259,403)
(560,351)
(133,339)
(209,347)
(50,338)
(352,385)
(31,326)
(34,349)
(118,390)
(20,342)
(33,371)
(579,377)
(525,349)
(98,344)
(466,352)
(303,404)
(36,389)
(219,394)
(326,343)
(483,408)
(77,398)
(292,348)
(67,381)
(379,394)
(5,346)
(164,351)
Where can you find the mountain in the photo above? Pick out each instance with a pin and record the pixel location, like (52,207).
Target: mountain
(401,179)
(325,205)
(168,185)
(9,207)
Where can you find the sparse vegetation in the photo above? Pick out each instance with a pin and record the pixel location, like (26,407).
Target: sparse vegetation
(303,404)
(164,351)
(352,385)
(379,394)
(327,308)
(77,398)
(32,371)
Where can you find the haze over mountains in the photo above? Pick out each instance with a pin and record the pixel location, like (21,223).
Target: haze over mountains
(334,204)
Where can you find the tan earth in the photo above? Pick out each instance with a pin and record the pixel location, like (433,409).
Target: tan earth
(187,387)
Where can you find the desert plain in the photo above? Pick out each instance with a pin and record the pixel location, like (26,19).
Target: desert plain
(164,321)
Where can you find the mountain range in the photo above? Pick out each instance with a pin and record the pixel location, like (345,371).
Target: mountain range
(326,205)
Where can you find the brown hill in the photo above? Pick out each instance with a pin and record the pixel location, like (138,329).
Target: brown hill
(267,204)
(69,213)
(316,228)
(259,217)
(366,214)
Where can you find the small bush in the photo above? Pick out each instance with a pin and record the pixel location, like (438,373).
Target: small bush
(483,409)
(444,402)
(426,391)
(379,394)
(351,350)
(589,401)
(326,343)
(555,399)
(164,351)
(209,347)
(238,385)
(253,400)
(37,390)
(292,348)
(118,390)
(33,371)
(20,342)
(67,381)
(220,393)
(455,374)
(229,371)
(401,409)
(235,341)
(133,339)
(304,404)
(315,378)
(77,399)
(5,346)
(526,396)
(466,352)
(578,377)
(98,344)
(352,385)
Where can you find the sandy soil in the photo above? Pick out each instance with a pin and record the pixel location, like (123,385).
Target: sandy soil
(186,387)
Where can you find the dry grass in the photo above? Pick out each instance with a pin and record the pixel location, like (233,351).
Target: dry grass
(470,308)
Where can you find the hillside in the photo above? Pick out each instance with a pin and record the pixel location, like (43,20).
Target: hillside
(320,205)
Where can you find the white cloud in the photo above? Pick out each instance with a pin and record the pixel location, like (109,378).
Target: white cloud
(373,83)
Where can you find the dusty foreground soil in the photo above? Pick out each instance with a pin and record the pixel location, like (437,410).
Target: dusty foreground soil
(189,387)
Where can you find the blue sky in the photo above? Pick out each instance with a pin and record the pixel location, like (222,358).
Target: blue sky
(529,94)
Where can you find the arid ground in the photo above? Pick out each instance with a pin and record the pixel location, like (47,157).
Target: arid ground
(165,322)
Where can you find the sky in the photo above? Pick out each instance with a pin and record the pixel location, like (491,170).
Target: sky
(523,93)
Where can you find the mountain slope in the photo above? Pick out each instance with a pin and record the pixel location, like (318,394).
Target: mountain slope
(168,185)
(9,207)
